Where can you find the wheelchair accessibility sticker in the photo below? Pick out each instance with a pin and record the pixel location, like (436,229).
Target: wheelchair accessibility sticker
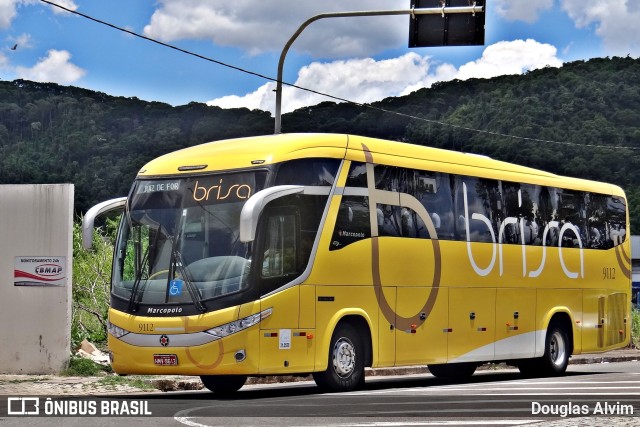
(175,287)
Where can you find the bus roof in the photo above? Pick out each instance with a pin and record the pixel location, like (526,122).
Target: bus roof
(242,153)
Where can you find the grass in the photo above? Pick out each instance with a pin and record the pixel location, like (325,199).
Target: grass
(81,367)
(133,381)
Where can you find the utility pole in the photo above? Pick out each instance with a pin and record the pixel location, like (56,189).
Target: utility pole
(412,12)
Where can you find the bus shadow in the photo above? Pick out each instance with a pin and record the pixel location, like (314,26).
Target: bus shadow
(372,384)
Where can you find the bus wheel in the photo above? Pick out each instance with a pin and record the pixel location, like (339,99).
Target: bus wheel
(345,371)
(556,355)
(223,384)
(556,351)
(453,370)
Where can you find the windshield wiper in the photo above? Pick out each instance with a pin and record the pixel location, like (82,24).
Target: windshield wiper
(142,265)
(179,262)
(188,280)
(133,299)
(133,304)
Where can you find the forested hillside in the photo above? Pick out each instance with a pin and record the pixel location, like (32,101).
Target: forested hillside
(580,120)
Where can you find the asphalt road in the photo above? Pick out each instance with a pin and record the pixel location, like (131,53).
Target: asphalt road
(589,395)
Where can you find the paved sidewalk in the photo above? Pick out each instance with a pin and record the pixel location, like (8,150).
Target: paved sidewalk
(50,385)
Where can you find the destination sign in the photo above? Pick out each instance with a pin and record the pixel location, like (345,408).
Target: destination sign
(158,186)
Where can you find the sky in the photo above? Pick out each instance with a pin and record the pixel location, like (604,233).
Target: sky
(362,59)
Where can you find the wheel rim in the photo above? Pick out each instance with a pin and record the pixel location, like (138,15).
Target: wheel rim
(344,357)
(557,349)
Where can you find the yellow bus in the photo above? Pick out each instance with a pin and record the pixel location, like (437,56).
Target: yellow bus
(324,254)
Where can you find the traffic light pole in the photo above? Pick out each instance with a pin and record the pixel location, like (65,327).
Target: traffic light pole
(413,12)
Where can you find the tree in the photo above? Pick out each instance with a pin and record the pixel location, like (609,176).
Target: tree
(90,288)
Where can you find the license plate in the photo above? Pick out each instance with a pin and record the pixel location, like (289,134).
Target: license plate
(165,359)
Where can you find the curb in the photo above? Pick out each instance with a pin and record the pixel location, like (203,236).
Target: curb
(194,383)
(604,359)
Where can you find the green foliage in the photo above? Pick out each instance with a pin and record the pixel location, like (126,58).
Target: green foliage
(90,289)
(578,120)
(51,133)
(635,328)
(81,367)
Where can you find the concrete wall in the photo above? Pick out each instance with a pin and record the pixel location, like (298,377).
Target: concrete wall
(36,227)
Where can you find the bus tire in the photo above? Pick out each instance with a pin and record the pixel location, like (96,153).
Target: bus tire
(345,369)
(556,351)
(555,360)
(223,384)
(453,370)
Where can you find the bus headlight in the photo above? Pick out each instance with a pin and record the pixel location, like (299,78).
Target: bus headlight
(116,331)
(240,324)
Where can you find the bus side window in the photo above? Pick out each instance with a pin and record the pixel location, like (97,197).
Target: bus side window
(413,226)
(388,221)
(596,221)
(547,212)
(521,201)
(353,222)
(307,172)
(571,211)
(433,189)
(357,175)
(483,198)
(616,220)
(280,248)
(530,201)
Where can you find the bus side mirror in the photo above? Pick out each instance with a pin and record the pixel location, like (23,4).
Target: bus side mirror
(255,205)
(253,208)
(90,217)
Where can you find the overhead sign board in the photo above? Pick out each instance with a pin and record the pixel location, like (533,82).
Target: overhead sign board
(447,29)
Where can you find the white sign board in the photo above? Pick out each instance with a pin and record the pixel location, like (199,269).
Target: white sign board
(40,271)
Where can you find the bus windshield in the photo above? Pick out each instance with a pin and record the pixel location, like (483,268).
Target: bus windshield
(179,240)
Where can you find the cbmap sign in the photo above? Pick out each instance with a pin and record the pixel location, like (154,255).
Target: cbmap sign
(40,271)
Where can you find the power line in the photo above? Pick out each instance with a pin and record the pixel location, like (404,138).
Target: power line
(337,98)
(197,55)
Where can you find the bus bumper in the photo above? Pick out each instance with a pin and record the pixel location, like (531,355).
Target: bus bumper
(236,354)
